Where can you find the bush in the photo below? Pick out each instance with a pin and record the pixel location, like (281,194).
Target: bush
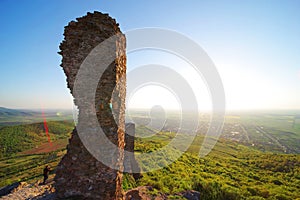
(281,197)
(214,190)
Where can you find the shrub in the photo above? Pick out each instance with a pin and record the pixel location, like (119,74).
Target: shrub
(214,190)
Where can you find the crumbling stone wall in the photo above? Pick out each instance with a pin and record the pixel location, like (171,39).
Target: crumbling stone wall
(130,164)
(79,174)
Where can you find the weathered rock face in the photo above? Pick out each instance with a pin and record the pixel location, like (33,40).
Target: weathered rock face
(80,174)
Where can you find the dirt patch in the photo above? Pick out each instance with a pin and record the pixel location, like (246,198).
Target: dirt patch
(47,147)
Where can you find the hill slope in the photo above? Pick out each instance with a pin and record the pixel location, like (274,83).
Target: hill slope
(19,138)
(6,112)
(230,171)
(12,117)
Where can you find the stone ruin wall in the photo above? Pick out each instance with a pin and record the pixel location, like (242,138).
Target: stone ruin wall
(130,163)
(79,174)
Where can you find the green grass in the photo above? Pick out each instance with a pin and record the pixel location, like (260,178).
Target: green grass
(27,167)
(230,171)
(14,165)
(14,139)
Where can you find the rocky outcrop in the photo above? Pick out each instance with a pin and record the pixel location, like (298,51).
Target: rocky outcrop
(38,191)
(142,193)
(190,195)
(34,191)
(80,174)
(9,188)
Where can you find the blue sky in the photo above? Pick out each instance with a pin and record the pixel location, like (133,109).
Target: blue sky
(255,46)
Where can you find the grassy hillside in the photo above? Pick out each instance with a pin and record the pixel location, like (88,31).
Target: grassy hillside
(27,167)
(25,150)
(230,171)
(14,139)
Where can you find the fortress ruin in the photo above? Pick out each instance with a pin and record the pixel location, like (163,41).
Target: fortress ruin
(80,174)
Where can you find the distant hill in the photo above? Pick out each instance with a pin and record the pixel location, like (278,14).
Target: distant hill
(11,117)
(7,112)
